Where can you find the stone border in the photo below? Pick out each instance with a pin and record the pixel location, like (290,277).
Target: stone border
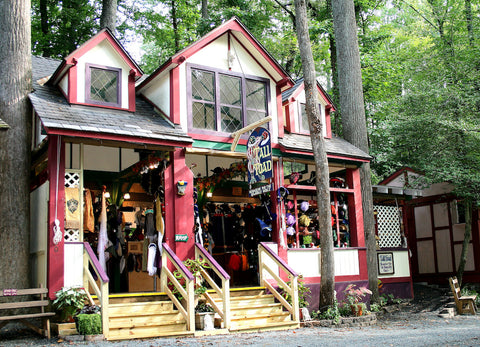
(345,322)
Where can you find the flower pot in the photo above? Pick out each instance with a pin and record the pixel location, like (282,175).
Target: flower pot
(200,320)
(357,309)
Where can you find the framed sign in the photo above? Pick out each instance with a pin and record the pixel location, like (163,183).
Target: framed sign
(385,264)
(259,156)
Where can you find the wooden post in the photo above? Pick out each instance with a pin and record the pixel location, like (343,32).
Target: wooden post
(295,304)
(190,304)
(226,302)
(104,303)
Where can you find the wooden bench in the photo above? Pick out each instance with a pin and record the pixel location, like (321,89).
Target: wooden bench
(465,304)
(37,299)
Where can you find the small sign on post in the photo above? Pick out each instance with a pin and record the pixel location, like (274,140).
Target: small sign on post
(181,237)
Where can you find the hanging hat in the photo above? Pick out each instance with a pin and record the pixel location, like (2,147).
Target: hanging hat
(294,177)
(282,193)
(290,204)
(304,206)
(264,228)
(290,231)
(290,219)
(304,220)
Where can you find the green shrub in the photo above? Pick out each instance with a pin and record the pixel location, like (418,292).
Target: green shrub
(89,324)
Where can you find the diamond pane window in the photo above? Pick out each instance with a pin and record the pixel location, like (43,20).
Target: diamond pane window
(256,95)
(203,85)
(103,85)
(225,101)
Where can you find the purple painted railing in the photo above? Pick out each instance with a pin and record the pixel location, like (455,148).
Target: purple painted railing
(212,261)
(280,260)
(93,257)
(177,261)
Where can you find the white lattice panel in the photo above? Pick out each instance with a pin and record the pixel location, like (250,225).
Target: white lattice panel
(72,179)
(388,220)
(72,235)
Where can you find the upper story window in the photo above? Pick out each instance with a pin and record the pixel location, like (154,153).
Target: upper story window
(225,102)
(103,85)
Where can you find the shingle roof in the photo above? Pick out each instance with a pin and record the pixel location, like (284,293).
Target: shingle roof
(334,146)
(286,94)
(56,113)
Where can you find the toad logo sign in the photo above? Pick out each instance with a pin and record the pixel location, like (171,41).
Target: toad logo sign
(259,155)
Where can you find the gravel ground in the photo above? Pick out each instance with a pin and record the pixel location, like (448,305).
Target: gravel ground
(414,323)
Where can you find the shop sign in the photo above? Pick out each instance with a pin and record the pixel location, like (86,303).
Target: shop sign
(259,155)
(385,264)
(261,190)
(181,237)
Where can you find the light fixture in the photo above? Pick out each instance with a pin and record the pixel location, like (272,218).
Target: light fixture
(126,196)
(107,195)
(209,194)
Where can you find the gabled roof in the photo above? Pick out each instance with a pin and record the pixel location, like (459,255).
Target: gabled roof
(335,146)
(3,125)
(241,33)
(58,117)
(299,87)
(400,172)
(104,34)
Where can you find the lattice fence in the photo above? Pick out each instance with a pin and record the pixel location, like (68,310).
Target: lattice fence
(72,180)
(388,220)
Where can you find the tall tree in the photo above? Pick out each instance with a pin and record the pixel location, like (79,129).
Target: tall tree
(108,18)
(327,280)
(353,118)
(15,84)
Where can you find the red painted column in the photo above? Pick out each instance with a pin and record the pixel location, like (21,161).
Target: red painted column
(179,208)
(56,209)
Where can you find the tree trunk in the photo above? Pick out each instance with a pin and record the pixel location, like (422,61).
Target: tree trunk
(45,27)
(469,20)
(204,9)
(327,281)
(176,34)
(466,240)
(108,18)
(15,109)
(353,119)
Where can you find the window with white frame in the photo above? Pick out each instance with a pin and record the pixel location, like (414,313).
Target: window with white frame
(103,85)
(303,120)
(222,101)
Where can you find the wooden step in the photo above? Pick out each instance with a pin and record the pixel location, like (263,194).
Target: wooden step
(254,310)
(148,332)
(140,308)
(270,326)
(260,320)
(144,320)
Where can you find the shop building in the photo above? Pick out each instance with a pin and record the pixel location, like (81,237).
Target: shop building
(174,152)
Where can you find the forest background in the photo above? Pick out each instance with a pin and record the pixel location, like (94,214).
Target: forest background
(419,58)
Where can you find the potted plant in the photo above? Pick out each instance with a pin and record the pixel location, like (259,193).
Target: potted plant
(303,295)
(202,310)
(69,300)
(89,322)
(353,297)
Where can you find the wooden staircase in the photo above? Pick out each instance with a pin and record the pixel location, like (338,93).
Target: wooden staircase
(146,316)
(251,309)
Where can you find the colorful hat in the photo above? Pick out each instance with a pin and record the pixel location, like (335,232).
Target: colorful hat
(290,231)
(289,204)
(304,220)
(304,206)
(290,219)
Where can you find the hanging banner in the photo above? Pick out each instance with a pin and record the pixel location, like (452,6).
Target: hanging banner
(259,155)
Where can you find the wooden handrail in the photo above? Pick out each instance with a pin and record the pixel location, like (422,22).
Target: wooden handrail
(291,289)
(89,258)
(187,292)
(223,292)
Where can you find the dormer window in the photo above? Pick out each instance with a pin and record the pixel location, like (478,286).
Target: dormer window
(223,101)
(103,85)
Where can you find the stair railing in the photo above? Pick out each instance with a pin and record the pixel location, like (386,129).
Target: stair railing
(264,253)
(187,293)
(223,292)
(90,261)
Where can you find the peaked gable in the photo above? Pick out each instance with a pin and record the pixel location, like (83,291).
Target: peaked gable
(100,72)
(241,34)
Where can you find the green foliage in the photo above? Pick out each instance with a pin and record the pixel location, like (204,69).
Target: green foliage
(331,313)
(195,266)
(69,300)
(203,307)
(303,293)
(354,294)
(89,324)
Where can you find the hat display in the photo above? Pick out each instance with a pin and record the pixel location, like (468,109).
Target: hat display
(304,220)
(264,228)
(289,204)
